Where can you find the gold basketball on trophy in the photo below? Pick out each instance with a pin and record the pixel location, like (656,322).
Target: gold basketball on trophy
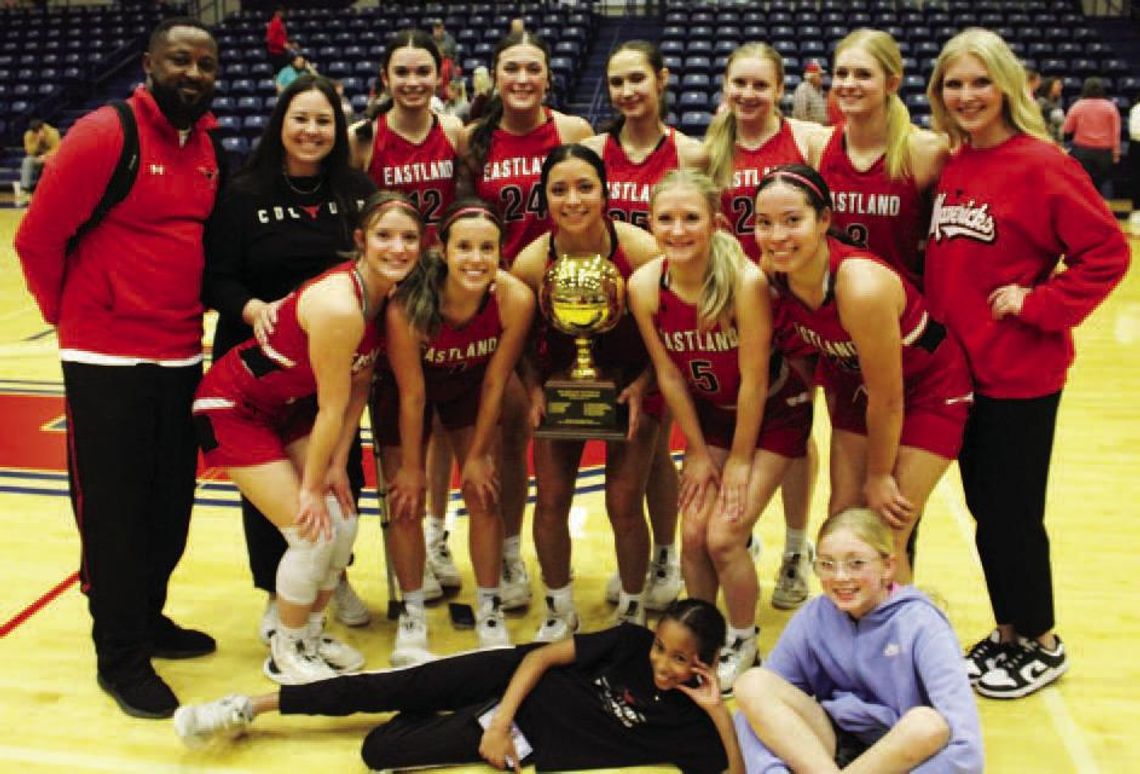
(582,296)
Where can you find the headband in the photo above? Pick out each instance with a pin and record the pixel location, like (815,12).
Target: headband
(407,206)
(800,178)
(486,212)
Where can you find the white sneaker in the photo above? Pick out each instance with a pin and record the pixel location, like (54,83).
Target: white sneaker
(350,608)
(736,658)
(411,642)
(19,198)
(269,621)
(290,662)
(490,625)
(664,583)
(792,579)
(431,588)
(514,584)
(559,624)
(634,614)
(440,561)
(1134,222)
(341,656)
(199,724)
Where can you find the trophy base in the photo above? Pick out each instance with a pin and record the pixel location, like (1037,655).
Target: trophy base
(578,409)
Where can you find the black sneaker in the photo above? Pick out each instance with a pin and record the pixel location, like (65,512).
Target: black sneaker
(141,694)
(985,655)
(1027,667)
(172,641)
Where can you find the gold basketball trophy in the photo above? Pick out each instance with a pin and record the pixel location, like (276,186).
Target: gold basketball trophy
(582,296)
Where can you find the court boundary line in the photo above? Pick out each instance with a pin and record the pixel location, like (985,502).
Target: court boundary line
(44,600)
(1070,732)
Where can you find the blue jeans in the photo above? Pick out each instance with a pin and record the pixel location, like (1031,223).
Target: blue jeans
(30,172)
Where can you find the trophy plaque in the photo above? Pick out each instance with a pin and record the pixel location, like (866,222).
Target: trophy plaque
(582,296)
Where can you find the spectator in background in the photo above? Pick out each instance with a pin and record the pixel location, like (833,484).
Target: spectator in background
(289,72)
(443,39)
(834,114)
(277,40)
(41,141)
(345,102)
(1049,100)
(1094,122)
(1032,83)
(808,102)
(483,87)
(457,105)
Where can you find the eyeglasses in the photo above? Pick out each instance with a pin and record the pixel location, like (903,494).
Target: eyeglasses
(829,568)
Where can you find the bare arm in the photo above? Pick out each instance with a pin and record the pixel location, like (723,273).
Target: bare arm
(516,312)
(754,325)
(408,487)
(700,473)
(328,313)
(870,299)
(530,266)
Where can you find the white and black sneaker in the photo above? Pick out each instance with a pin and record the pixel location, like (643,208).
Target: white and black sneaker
(514,584)
(985,654)
(736,658)
(558,625)
(199,724)
(292,662)
(490,626)
(1028,667)
(440,560)
(792,580)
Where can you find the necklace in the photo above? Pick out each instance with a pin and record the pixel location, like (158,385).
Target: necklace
(302,191)
(363,291)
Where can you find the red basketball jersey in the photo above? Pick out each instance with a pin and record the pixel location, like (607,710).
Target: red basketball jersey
(425,171)
(738,201)
(457,356)
(888,217)
(510,182)
(269,377)
(631,182)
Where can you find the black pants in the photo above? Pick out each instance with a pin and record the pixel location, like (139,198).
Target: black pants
(132,457)
(1005,470)
(1134,172)
(463,685)
(1097,162)
(264,541)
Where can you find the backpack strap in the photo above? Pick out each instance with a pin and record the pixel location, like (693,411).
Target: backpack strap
(122,179)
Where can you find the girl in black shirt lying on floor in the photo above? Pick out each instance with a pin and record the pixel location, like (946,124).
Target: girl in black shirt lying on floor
(626,696)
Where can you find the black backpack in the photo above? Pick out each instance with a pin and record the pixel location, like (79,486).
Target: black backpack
(127,169)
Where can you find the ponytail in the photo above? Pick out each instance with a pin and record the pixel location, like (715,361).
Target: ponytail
(899,129)
(720,142)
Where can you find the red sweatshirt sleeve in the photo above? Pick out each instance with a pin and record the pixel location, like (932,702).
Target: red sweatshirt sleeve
(1096,255)
(71,186)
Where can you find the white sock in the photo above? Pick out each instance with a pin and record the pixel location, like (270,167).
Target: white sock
(316,622)
(414,602)
(435,527)
(665,553)
(625,601)
(512,547)
(747,633)
(563,598)
(794,540)
(485,595)
(290,633)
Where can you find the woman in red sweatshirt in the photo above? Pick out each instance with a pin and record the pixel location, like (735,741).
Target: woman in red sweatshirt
(1009,205)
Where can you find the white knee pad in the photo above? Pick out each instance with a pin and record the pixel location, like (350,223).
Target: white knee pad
(344,537)
(303,567)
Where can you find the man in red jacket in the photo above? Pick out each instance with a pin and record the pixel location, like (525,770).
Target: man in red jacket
(125,304)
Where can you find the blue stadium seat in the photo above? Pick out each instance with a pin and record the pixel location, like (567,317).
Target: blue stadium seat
(229,124)
(242,86)
(695,122)
(250,104)
(236,145)
(695,100)
(695,81)
(255,124)
(698,64)
(220,105)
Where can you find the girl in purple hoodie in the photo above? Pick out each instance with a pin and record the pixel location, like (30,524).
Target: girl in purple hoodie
(867,677)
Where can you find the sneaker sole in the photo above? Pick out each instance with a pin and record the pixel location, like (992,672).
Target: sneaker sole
(409,659)
(270,670)
(787,604)
(1046,678)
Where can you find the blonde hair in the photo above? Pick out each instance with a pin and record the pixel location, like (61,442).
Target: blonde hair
(885,51)
(1005,70)
(866,525)
(726,257)
(720,137)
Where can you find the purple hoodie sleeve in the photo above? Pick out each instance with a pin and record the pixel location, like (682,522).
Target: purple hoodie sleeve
(938,663)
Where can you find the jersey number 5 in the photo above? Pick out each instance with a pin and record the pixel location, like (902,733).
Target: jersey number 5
(702,377)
